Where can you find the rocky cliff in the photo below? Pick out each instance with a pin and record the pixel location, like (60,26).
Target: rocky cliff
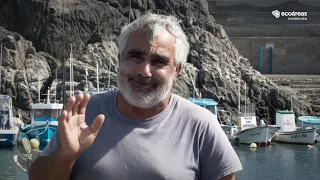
(37,36)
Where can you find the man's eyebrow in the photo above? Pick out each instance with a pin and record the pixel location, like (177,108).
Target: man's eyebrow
(140,52)
(161,57)
(137,52)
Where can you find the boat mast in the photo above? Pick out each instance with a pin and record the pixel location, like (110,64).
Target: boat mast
(109,69)
(290,98)
(0,65)
(55,88)
(146,4)
(239,95)
(63,58)
(48,97)
(194,84)
(71,74)
(97,78)
(245,98)
(86,87)
(38,90)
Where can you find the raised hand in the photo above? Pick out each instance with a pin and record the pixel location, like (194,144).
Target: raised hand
(75,135)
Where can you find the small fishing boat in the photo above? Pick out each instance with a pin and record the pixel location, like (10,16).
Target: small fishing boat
(9,125)
(249,132)
(290,133)
(44,121)
(308,121)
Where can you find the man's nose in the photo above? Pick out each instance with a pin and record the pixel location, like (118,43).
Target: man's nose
(145,69)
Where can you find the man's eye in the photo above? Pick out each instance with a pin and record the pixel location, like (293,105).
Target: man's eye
(159,62)
(135,56)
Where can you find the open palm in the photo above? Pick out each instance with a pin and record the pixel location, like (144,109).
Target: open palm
(75,135)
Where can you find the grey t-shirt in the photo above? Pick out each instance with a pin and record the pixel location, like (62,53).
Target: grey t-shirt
(183,142)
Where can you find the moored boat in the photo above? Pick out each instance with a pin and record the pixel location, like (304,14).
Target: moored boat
(308,121)
(9,125)
(251,133)
(44,121)
(290,133)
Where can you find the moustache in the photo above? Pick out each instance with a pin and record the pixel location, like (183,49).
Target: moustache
(142,80)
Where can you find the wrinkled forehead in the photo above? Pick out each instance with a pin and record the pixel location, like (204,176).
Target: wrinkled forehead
(157,36)
(151,31)
(162,45)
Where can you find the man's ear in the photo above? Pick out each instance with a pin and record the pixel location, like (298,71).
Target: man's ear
(178,69)
(118,57)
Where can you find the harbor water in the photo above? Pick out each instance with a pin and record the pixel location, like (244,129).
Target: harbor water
(279,162)
(275,162)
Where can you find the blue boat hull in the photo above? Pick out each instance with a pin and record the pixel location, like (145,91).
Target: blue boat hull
(45,133)
(8,139)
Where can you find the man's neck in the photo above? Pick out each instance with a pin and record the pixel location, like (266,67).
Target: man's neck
(136,113)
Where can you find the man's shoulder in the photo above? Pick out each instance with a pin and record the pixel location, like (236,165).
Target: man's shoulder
(193,111)
(99,103)
(106,96)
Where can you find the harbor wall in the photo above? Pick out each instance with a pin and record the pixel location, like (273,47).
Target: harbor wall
(251,26)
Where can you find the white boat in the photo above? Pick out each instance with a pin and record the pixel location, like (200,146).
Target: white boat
(248,131)
(9,125)
(289,133)
(307,136)
(251,133)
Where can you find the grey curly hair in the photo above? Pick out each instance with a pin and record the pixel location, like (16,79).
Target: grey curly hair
(154,24)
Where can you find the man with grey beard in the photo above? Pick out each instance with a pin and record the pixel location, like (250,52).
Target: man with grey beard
(142,130)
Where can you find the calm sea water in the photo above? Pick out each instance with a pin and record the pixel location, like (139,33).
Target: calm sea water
(6,162)
(275,162)
(279,162)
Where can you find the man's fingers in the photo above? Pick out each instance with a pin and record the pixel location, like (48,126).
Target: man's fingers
(79,98)
(83,104)
(62,123)
(70,103)
(97,124)
(69,107)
